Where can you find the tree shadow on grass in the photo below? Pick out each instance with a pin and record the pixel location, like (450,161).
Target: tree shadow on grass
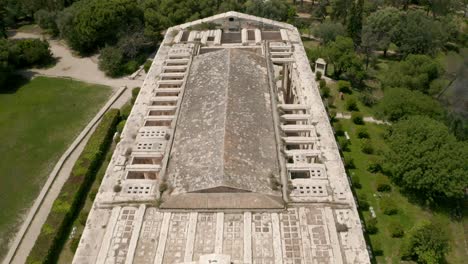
(15,81)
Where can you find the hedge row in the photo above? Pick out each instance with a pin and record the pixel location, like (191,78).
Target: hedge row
(67,206)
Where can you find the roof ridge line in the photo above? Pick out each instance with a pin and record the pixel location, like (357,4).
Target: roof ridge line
(226,94)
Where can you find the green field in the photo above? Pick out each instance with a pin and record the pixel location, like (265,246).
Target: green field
(409,214)
(37,123)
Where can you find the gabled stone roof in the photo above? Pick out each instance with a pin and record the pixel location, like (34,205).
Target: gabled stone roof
(225,139)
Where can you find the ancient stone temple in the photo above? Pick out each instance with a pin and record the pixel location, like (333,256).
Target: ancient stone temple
(228,156)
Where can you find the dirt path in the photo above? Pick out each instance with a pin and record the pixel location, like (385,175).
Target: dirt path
(68,65)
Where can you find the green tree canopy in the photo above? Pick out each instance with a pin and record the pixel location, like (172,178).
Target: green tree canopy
(425,159)
(427,243)
(381,26)
(399,103)
(416,33)
(328,31)
(341,54)
(95,23)
(416,72)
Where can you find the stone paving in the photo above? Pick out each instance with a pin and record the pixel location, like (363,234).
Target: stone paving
(149,236)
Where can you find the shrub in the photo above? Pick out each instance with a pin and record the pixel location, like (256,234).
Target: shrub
(384,187)
(322,84)
(396,229)
(349,164)
(356,182)
(125,111)
(367,99)
(46,20)
(325,92)
(371,226)
(339,129)
(121,126)
(135,92)
(363,204)
(30,52)
(163,187)
(362,133)
(377,248)
(344,87)
(344,144)
(357,119)
(366,146)
(341,227)
(388,206)
(83,217)
(318,75)
(74,244)
(111,60)
(49,244)
(147,65)
(92,194)
(130,67)
(374,167)
(351,105)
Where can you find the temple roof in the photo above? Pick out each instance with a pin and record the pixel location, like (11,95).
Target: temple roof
(225,138)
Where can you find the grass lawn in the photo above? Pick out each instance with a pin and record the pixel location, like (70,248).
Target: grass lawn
(37,123)
(408,215)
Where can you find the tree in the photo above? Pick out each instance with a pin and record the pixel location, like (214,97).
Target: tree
(440,7)
(328,31)
(341,54)
(99,22)
(425,159)
(399,103)
(416,72)
(340,9)
(355,21)
(29,52)
(418,34)
(273,9)
(427,243)
(111,60)
(380,28)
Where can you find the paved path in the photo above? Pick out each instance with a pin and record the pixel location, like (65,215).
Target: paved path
(368,119)
(71,66)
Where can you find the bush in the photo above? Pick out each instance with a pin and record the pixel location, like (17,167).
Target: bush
(130,67)
(363,204)
(384,187)
(377,248)
(318,75)
(344,87)
(163,187)
(30,52)
(135,92)
(366,147)
(111,60)
(117,188)
(362,133)
(374,167)
(351,105)
(349,164)
(49,244)
(356,182)
(396,229)
(344,144)
(74,244)
(147,65)
(325,92)
(371,226)
(322,84)
(46,20)
(125,111)
(357,119)
(92,194)
(339,129)
(121,126)
(388,206)
(367,99)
